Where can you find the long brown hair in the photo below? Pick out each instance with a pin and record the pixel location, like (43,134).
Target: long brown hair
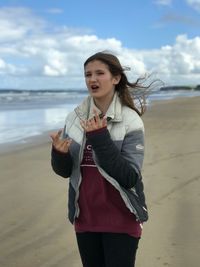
(128,92)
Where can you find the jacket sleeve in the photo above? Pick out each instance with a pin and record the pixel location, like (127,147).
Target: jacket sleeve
(121,165)
(61,163)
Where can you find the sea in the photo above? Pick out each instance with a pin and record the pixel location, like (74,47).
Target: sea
(31,113)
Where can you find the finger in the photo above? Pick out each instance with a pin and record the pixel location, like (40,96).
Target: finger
(97,118)
(104,121)
(87,126)
(52,135)
(56,135)
(62,145)
(65,146)
(58,144)
(68,144)
(92,124)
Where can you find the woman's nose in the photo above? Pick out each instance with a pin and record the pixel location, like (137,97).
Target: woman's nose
(93,77)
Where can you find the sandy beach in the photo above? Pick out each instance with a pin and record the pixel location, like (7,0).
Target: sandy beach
(35,232)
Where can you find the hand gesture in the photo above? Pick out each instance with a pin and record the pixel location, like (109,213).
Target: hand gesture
(61,145)
(94,123)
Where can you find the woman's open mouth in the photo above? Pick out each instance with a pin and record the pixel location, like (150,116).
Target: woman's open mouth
(94,88)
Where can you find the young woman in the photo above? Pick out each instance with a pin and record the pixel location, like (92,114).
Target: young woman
(101,149)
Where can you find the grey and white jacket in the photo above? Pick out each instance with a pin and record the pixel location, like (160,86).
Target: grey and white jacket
(118,152)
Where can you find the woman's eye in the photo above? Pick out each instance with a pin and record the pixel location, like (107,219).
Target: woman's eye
(88,75)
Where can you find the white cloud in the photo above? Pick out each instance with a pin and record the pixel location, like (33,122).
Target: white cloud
(54,11)
(194,3)
(163,2)
(6,68)
(178,63)
(17,23)
(40,57)
(56,63)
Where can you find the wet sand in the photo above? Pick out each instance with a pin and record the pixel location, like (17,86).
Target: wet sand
(34,230)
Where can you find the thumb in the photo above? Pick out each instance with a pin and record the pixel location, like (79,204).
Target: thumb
(104,121)
(56,135)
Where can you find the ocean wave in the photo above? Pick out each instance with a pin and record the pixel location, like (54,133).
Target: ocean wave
(18,99)
(21,118)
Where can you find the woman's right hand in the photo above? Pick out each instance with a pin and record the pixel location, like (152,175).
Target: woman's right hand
(61,145)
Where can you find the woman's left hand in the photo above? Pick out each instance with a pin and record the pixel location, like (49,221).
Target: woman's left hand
(94,123)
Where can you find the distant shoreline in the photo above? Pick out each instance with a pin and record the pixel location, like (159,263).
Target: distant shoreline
(175,88)
(83,90)
(18,91)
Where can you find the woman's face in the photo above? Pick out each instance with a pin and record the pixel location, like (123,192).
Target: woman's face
(99,80)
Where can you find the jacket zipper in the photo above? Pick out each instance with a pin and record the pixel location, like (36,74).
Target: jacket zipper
(76,214)
(130,206)
(122,193)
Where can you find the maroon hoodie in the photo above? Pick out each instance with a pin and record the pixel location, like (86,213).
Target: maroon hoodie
(101,206)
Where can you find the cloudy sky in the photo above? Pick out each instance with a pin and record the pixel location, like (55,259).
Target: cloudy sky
(43,44)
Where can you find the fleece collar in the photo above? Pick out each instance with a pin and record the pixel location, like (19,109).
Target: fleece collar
(114,112)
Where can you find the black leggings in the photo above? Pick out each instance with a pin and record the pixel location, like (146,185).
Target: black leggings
(107,249)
